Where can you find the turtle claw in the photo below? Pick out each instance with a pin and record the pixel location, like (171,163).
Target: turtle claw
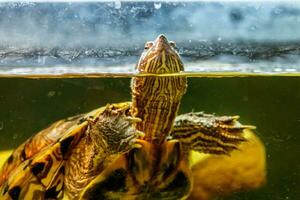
(140,134)
(137,144)
(209,133)
(249,127)
(131,142)
(133,119)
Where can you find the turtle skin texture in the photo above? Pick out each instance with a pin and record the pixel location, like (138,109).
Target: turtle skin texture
(132,150)
(124,166)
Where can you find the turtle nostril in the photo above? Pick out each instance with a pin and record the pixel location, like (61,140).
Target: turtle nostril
(161,42)
(162,38)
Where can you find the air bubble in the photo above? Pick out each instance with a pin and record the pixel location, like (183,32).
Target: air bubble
(118,4)
(51,93)
(157,5)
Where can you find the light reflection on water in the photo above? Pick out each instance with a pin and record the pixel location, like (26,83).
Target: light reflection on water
(203,69)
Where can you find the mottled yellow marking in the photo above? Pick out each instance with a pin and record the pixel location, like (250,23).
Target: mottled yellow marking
(4,155)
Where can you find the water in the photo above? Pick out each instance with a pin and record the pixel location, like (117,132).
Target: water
(269,102)
(241,58)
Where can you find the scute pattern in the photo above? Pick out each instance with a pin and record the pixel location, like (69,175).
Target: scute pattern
(41,173)
(35,144)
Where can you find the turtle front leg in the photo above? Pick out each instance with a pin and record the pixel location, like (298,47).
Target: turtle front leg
(208,133)
(109,135)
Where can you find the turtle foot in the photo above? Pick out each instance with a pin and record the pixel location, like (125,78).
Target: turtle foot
(117,129)
(208,133)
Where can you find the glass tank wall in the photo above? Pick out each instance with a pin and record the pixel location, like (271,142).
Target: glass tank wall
(107,36)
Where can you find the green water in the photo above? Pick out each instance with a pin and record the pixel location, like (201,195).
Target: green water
(271,103)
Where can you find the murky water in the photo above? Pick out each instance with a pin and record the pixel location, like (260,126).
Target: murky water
(269,102)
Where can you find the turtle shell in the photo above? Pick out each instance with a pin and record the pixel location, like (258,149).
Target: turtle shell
(35,169)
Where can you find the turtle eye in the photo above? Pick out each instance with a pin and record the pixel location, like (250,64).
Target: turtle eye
(173,44)
(148,45)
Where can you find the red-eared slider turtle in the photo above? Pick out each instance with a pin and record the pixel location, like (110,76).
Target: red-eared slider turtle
(130,150)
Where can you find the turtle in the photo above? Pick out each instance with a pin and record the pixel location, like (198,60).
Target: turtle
(129,150)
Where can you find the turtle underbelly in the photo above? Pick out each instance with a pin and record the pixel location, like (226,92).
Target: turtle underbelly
(150,172)
(116,186)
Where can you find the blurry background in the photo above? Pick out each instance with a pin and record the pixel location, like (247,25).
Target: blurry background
(254,36)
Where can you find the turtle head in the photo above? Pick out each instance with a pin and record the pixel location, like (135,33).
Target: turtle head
(160,56)
(155,98)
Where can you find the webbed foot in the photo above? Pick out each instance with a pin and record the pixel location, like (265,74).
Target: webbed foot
(209,133)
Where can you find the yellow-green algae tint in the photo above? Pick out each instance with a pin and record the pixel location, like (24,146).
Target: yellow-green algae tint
(271,103)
